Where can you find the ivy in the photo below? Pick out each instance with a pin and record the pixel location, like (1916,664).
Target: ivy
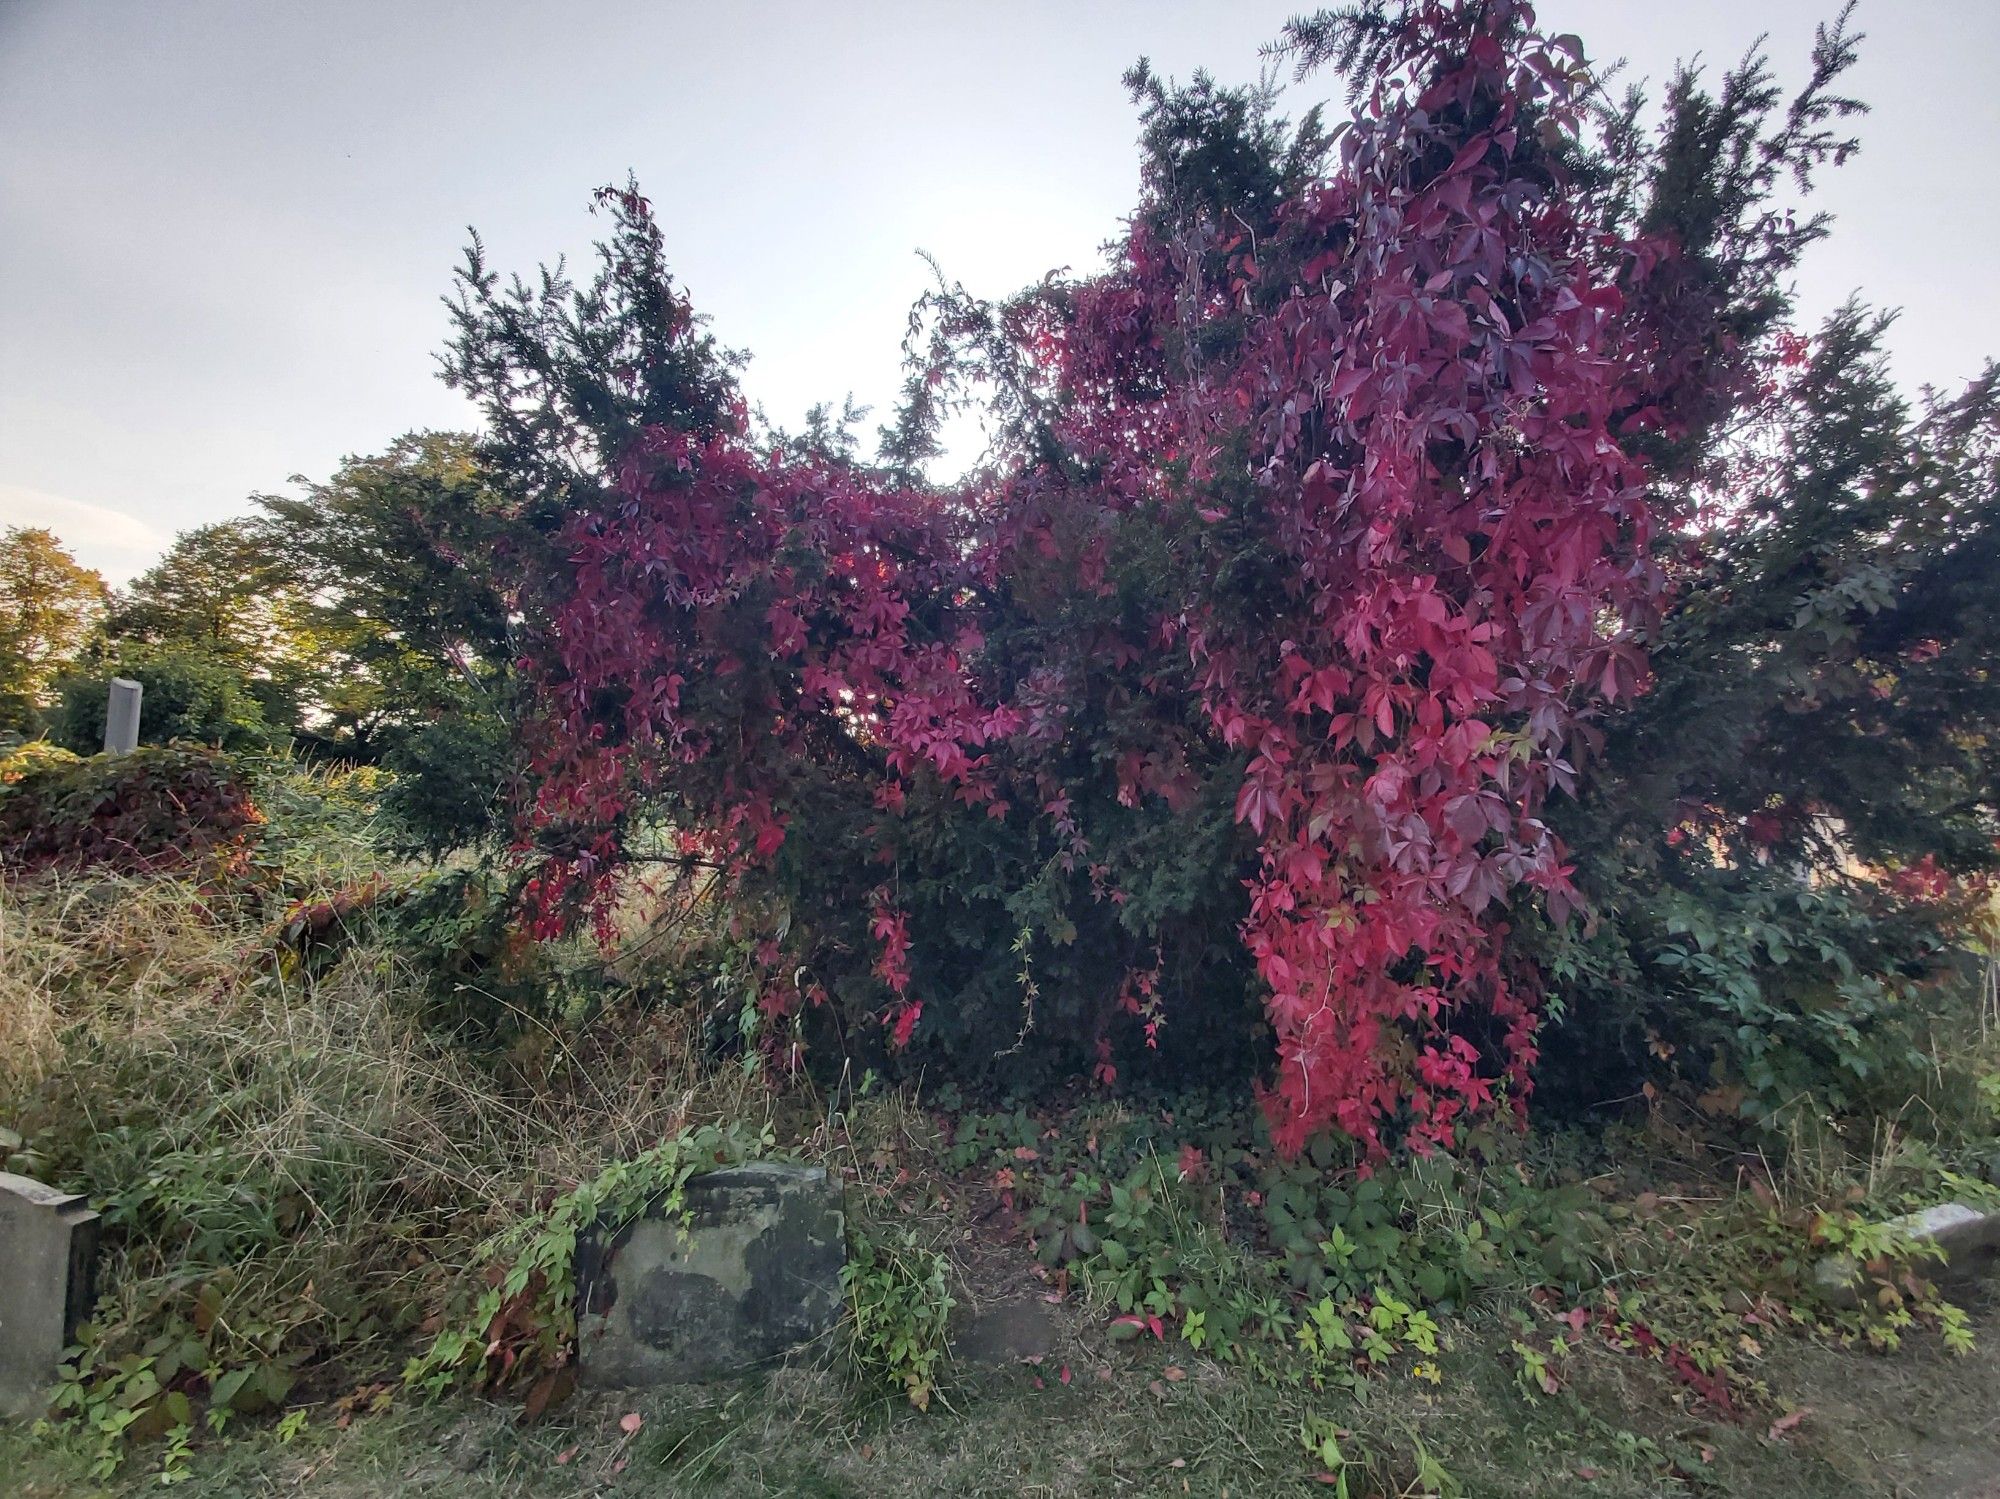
(1318,547)
(522,1325)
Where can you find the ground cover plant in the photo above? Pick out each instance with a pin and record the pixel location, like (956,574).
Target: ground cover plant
(1386,876)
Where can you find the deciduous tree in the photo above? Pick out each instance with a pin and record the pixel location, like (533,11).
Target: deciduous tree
(49,607)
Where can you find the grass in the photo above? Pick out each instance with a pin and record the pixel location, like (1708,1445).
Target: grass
(1914,1424)
(294,1158)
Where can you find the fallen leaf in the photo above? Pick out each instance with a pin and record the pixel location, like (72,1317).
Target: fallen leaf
(565,1457)
(1157,1388)
(1175,1373)
(1064,1375)
(620,1465)
(1785,1425)
(1586,1474)
(1179,1462)
(630,1422)
(867,1451)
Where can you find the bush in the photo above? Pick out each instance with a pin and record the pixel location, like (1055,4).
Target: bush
(30,756)
(1316,550)
(153,808)
(449,780)
(189,697)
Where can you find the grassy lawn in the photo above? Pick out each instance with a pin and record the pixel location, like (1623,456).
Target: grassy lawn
(1918,1422)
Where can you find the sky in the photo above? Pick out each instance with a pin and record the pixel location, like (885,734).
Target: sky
(225,225)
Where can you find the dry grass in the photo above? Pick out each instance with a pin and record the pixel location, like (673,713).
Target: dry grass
(299,1140)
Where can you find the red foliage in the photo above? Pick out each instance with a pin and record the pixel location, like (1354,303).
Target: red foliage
(1431,383)
(153,809)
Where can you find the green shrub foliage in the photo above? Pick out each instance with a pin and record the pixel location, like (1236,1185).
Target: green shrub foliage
(189,698)
(154,808)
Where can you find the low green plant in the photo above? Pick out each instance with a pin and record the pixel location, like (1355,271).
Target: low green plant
(899,1294)
(1895,1295)
(523,1323)
(1301,1272)
(1332,1447)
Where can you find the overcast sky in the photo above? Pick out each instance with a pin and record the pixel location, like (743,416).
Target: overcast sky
(225,224)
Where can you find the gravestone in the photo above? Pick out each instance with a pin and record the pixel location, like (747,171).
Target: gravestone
(755,1271)
(48,1248)
(1968,1236)
(121,716)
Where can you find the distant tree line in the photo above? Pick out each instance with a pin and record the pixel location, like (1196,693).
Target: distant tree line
(344,621)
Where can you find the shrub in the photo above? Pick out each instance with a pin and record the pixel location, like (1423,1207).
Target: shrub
(153,808)
(448,790)
(1318,544)
(30,756)
(188,697)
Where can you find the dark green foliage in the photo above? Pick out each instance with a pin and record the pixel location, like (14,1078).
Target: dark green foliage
(400,557)
(1219,155)
(450,779)
(1824,694)
(569,376)
(189,698)
(151,809)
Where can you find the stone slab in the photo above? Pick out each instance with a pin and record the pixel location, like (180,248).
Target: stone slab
(756,1272)
(48,1255)
(1007,1332)
(1968,1237)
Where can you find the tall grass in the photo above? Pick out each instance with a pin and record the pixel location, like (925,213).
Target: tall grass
(286,1157)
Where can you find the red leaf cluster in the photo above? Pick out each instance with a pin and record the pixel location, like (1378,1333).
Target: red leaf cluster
(1415,403)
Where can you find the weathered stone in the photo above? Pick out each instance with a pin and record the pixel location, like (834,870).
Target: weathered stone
(121,716)
(48,1248)
(1006,1333)
(1967,1236)
(755,1272)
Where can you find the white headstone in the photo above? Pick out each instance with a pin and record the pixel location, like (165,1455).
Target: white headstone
(121,717)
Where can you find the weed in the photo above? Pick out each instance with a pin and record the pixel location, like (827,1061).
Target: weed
(898,1292)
